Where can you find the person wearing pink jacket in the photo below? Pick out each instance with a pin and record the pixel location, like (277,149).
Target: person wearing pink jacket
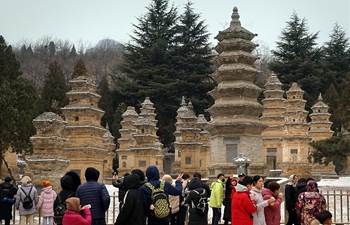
(272,212)
(73,216)
(46,200)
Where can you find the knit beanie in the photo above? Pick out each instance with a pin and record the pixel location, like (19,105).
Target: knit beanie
(46,183)
(91,174)
(73,204)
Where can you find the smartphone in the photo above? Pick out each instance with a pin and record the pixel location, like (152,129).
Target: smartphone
(115,173)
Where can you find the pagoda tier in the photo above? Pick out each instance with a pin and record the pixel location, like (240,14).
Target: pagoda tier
(320,126)
(235,127)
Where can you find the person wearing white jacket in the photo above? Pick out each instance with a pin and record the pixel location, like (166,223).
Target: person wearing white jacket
(257,199)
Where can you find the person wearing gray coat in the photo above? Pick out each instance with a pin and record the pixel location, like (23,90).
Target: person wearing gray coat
(26,215)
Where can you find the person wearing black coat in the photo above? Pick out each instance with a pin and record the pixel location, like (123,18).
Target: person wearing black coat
(227,199)
(132,212)
(8,191)
(291,199)
(204,185)
(192,200)
(118,183)
(69,184)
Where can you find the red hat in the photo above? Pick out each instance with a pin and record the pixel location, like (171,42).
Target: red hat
(46,183)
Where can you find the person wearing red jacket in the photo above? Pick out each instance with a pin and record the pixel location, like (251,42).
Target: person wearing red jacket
(73,216)
(242,207)
(272,212)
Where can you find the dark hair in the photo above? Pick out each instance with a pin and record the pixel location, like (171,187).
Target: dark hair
(140,173)
(302,180)
(219,175)
(8,179)
(247,180)
(197,175)
(323,216)
(185,176)
(256,178)
(273,186)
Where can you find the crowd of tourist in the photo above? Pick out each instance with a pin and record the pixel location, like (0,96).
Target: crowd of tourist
(148,198)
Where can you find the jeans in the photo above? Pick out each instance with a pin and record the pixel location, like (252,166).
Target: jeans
(48,220)
(216,216)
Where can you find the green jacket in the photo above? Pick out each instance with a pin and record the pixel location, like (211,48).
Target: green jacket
(217,195)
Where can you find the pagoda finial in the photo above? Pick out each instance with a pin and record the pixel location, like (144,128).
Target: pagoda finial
(235,18)
(320,97)
(183,102)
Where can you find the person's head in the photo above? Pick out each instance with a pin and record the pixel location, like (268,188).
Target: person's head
(185,176)
(302,180)
(73,204)
(167,178)
(46,183)
(92,174)
(8,180)
(140,173)
(293,178)
(233,181)
(70,181)
(274,187)
(131,182)
(241,176)
(311,186)
(221,177)
(26,180)
(258,181)
(324,217)
(152,173)
(248,182)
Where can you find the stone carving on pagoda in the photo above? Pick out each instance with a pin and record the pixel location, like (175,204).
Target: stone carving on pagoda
(235,127)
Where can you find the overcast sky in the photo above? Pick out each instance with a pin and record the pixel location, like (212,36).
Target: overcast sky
(92,20)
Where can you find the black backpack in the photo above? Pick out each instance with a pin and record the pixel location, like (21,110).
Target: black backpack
(60,210)
(202,205)
(161,208)
(27,201)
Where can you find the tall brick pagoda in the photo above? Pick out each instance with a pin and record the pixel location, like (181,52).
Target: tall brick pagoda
(235,127)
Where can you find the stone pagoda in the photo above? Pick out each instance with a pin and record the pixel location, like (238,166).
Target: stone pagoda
(235,127)
(296,140)
(87,138)
(139,143)
(320,129)
(192,145)
(274,109)
(320,126)
(49,160)
(75,143)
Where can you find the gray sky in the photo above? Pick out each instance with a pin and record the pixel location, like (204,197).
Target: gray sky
(92,20)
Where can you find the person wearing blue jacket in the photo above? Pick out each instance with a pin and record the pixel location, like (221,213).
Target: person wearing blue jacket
(152,174)
(95,194)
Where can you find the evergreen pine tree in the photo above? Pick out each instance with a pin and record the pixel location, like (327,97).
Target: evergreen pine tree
(148,66)
(105,104)
(344,104)
(73,52)
(17,104)
(297,59)
(79,68)
(336,54)
(193,60)
(52,49)
(331,98)
(53,94)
